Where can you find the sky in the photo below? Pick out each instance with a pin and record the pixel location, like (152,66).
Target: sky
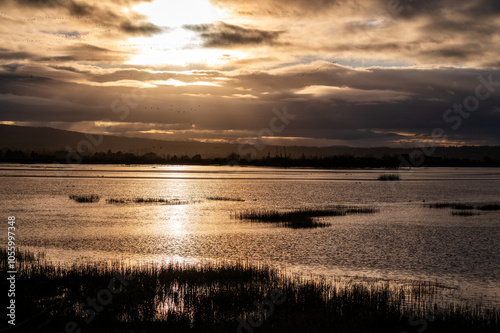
(365,73)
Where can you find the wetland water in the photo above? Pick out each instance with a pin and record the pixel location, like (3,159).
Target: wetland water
(404,241)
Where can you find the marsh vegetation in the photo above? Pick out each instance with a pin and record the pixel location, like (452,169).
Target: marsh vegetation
(389,177)
(217,198)
(300,218)
(464,213)
(85,198)
(218,297)
(465,206)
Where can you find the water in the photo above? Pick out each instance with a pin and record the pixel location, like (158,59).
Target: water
(404,241)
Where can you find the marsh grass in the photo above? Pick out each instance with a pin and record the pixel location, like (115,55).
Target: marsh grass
(161,201)
(217,198)
(389,177)
(301,218)
(488,207)
(85,198)
(465,206)
(118,201)
(464,213)
(210,297)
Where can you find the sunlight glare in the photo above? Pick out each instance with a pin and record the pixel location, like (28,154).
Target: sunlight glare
(174,14)
(176,45)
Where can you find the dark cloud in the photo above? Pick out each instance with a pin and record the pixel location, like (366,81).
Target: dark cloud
(278,7)
(461,52)
(70,53)
(228,35)
(15,55)
(80,9)
(144,29)
(11,67)
(429,94)
(403,8)
(437,8)
(107,13)
(409,67)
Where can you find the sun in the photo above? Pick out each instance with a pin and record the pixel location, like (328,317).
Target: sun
(176,45)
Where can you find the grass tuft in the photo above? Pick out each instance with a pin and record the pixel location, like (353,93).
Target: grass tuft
(464,213)
(389,177)
(85,198)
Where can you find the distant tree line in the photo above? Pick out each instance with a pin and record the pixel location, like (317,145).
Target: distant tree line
(331,162)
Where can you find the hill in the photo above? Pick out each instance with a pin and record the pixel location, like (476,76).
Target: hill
(42,139)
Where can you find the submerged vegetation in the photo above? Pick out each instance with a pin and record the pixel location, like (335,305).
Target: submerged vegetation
(389,177)
(301,218)
(85,198)
(223,297)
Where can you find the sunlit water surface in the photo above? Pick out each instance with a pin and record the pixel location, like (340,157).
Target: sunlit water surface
(405,241)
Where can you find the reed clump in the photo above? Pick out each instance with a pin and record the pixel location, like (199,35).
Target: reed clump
(389,177)
(85,198)
(301,218)
(161,201)
(464,213)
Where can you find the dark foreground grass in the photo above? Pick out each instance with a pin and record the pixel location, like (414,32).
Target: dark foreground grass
(465,206)
(389,177)
(220,297)
(301,218)
(85,198)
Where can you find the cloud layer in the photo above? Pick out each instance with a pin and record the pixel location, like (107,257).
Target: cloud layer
(371,73)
